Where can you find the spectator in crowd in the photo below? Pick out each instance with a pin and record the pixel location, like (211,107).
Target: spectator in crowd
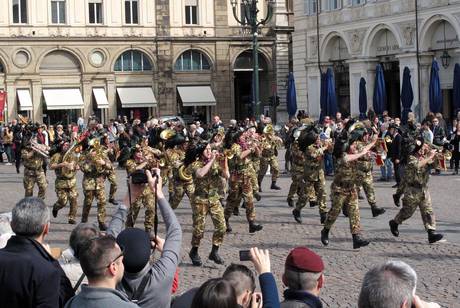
(391,285)
(29,275)
(303,275)
(387,166)
(216,292)
(102,262)
(426,132)
(455,142)
(8,144)
(243,282)
(439,136)
(199,128)
(150,284)
(17,141)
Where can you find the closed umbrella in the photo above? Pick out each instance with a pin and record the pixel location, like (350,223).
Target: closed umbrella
(331,99)
(291,96)
(323,97)
(407,95)
(362,99)
(435,95)
(380,93)
(456,87)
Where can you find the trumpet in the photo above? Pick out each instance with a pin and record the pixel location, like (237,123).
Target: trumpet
(40,149)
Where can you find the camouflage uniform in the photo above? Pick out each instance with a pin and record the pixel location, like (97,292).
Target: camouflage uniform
(269,157)
(65,185)
(33,173)
(111,175)
(344,191)
(255,168)
(147,199)
(207,200)
(314,179)
(416,194)
(240,185)
(94,185)
(297,184)
(364,176)
(180,186)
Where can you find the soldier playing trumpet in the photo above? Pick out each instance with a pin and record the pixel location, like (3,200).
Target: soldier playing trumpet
(33,157)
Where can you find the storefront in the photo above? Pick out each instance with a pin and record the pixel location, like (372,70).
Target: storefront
(136,102)
(196,102)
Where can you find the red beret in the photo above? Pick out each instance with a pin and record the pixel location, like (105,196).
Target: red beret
(302,259)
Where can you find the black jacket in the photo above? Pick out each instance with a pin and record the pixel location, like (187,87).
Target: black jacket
(395,151)
(30,277)
(438,135)
(300,299)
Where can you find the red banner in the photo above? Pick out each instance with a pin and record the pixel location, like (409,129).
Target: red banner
(2,104)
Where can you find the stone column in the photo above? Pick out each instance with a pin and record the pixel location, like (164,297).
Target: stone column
(361,68)
(313,90)
(282,43)
(37,102)
(111,97)
(87,94)
(10,89)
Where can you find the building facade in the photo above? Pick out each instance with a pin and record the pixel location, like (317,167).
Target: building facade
(60,59)
(357,35)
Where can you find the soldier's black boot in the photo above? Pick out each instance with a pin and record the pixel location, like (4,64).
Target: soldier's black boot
(229,229)
(260,186)
(434,237)
(323,217)
(290,202)
(214,255)
(113,201)
(394,228)
(102,226)
(313,203)
(236,211)
(194,256)
(257,196)
(296,214)
(396,200)
(358,241)
(325,236)
(55,211)
(254,228)
(274,186)
(376,211)
(345,210)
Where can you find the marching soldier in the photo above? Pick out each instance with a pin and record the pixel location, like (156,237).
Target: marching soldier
(297,166)
(139,161)
(255,157)
(240,179)
(207,172)
(33,170)
(313,176)
(94,164)
(270,144)
(416,194)
(111,175)
(65,167)
(344,188)
(365,179)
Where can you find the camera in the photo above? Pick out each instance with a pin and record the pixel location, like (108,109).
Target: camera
(245,255)
(139,177)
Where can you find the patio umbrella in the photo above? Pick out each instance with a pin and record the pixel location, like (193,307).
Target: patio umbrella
(435,94)
(456,87)
(362,99)
(331,99)
(380,93)
(407,95)
(323,98)
(291,96)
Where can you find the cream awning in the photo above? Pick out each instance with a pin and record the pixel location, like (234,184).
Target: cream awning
(137,97)
(196,95)
(57,99)
(25,101)
(101,98)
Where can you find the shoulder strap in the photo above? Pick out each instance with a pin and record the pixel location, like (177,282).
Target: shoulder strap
(80,280)
(139,291)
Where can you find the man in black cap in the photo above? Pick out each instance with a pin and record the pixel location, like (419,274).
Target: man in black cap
(303,275)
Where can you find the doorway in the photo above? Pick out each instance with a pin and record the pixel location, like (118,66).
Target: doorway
(393,88)
(342,89)
(243,97)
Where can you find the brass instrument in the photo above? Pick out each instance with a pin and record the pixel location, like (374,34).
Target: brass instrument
(442,155)
(356,125)
(24,120)
(388,139)
(268,129)
(229,154)
(40,149)
(184,175)
(167,134)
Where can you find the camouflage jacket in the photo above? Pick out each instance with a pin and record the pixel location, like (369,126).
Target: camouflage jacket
(209,186)
(313,162)
(363,164)
(65,178)
(131,166)
(345,174)
(94,174)
(238,164)
(35,162)
(297,158)
(415,176)
(270,144)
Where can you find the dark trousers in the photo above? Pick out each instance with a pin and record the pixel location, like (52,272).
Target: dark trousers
(397,172)
(17,156)
(456,159)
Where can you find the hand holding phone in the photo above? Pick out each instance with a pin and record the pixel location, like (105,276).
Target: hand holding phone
(245,255)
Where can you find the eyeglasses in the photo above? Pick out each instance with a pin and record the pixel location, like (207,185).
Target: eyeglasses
(118,257)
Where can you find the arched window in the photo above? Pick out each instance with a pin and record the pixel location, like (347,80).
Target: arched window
(133,61)
(192,60)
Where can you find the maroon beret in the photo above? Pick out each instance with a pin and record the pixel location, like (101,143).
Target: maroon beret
(302,259)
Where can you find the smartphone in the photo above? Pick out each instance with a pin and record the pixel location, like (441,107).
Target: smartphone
(245,255)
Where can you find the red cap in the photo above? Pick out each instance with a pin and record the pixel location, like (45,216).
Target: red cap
(302,259)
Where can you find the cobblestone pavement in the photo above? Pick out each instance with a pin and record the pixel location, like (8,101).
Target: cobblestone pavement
(438,265)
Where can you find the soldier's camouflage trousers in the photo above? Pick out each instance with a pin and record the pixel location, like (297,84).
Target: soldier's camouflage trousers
(366,180)
(314,191)
(297,184)
(179,191)
(201,208)
(32,177)
(340,197)
(402,184)
(271,161)
(113,184)
(240,188)
(413,198)
(146,199)
(99,194)
(65,195)
(255,175)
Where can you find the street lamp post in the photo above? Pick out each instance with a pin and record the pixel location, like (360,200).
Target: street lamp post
(249,17)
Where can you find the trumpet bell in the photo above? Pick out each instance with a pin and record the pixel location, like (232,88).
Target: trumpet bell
(184,175)
(167,134)
(268,129)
